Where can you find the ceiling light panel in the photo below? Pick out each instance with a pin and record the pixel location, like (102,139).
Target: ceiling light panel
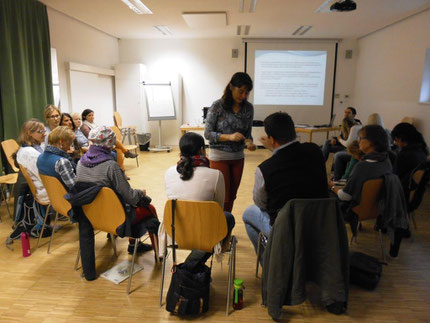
(239,28)
(253,6)
(205,20)
(137,6)
(165,30)
(241,5)
(247,28)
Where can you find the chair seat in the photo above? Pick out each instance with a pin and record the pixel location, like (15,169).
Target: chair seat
(9,179)
(130,147)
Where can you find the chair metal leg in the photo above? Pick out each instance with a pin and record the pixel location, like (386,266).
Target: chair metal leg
(77,259)
(382,246)
(154,241)
(411,216)
(113,241)
(258,254)
(52,234)
(43,226)
(231,274)
(136,243)
(163,270)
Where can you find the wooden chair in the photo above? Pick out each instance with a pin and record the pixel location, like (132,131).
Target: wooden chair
(106,213)
(56,192)
(198,225)
(34,193)
(417,184)
(129,131)
(128,147)
(10,147)
(9,179)
(371,194)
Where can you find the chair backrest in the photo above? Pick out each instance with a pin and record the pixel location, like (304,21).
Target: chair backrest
(369,202)
(29,182)
(198,224)
(419,179)
(117,119)
(117,133)
(10,147)
(106,212)
(56,192)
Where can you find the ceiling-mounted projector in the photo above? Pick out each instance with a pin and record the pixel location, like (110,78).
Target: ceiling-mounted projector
(345,5)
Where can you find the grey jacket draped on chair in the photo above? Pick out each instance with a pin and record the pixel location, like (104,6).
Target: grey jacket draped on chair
(308,242)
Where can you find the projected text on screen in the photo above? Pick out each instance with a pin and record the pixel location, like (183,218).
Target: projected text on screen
(289,77)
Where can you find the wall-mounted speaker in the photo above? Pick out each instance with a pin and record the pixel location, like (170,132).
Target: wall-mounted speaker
(234,53)
(348,54)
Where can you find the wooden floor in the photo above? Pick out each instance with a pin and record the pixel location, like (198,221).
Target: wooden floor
(45,288)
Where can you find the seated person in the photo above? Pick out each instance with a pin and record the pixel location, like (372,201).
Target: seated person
(80,137)
(413,151)
(32,135)
(55,160)
(192,179)
(295,170)
(52,117)
(75,149)
(355,155)
(374,164)
(98,166)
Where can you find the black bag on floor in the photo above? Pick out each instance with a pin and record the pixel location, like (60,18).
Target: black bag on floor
(189,290)
(364,271)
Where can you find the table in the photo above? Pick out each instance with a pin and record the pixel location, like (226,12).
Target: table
(310,130)
(185,128)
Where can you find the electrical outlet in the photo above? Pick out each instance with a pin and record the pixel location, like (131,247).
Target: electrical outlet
(337,96)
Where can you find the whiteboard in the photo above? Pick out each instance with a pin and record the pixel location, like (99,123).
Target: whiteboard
(159,101)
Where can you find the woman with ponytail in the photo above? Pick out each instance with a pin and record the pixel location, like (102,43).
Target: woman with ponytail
(192,179)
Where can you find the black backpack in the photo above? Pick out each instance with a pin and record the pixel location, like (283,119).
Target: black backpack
(189,289)
(364,271)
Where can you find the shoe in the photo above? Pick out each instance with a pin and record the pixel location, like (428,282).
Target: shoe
(352,219)
(129,154)
(142,247)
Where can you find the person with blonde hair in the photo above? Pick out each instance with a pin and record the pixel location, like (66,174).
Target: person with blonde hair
(32,135)
(355,155)
(55,161)
(52,116)
(80,137)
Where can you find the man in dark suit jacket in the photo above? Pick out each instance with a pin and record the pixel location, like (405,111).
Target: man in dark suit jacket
(295,170)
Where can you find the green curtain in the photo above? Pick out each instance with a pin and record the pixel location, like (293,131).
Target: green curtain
(25,64)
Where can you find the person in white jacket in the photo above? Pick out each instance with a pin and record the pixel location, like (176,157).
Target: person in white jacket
(31,137)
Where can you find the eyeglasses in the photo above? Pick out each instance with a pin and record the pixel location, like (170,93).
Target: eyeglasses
(41,131)
(56,116)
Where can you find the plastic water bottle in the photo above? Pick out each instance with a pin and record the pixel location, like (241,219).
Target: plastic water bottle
(25,243)
(238,294)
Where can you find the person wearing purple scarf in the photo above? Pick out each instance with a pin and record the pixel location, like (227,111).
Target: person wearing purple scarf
(98,166)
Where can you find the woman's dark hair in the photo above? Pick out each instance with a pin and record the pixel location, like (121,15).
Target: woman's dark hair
(190,145)
(64,114)
(239,79)
(377,136)
(409,134)
(85,113)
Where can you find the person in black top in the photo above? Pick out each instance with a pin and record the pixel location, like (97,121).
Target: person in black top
(413,151)
(295,170)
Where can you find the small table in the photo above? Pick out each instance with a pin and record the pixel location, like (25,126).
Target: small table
(185,128)
(311,130)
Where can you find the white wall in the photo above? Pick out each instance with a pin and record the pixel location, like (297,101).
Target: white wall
(389,72)
(206,66)
(80,43)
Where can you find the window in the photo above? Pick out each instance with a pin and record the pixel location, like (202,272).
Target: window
(55,81)
(425,87)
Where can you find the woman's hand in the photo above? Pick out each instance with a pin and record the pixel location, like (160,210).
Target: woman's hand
(266,143)
(250,145)
(237,136)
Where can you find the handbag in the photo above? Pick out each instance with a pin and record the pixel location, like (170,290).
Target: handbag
(189,288)
(364,270)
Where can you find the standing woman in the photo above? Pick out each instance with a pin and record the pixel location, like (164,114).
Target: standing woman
(228,129)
